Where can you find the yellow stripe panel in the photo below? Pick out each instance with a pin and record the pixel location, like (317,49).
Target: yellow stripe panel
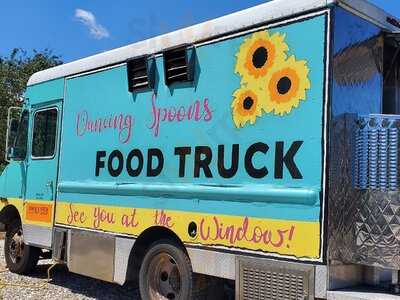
(33,212)
(293,238)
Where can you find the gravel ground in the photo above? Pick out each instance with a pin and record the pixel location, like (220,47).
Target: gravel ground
(64,285)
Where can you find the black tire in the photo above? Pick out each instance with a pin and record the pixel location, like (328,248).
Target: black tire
(155,282)
(20,260)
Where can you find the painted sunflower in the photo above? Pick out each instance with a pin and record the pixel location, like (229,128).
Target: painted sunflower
(246,106)
(286,87)
(259,54)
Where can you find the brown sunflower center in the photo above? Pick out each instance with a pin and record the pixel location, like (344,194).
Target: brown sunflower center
(248,103)
(284,85)
(260,57)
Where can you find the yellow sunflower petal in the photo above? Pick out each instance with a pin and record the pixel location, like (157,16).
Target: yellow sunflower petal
(286,86)
(246,106)
(260,53)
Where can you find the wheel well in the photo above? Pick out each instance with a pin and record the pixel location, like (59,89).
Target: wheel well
(143,242)
(8,214)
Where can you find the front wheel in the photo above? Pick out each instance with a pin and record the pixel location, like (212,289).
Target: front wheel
(166,273)
(20,258)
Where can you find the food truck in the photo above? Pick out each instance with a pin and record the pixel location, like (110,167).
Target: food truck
(260,147)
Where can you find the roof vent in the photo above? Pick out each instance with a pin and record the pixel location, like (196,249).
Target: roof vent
(179,65)
(141,73)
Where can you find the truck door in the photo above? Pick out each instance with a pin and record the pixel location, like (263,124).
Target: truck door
(42,170)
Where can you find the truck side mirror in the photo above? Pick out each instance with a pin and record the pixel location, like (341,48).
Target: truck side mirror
(12,133)
(14,127)
(10,152)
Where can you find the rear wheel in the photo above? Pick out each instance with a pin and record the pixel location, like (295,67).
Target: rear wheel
(166,273)
(20,258)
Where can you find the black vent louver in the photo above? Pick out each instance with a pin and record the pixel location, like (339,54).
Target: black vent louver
(179,65)
(140,73)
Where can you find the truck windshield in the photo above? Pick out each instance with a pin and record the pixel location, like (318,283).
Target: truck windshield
(21,139)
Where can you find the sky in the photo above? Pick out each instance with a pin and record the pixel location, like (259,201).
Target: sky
(78,28)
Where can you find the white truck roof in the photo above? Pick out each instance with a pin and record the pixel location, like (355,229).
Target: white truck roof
(267,12)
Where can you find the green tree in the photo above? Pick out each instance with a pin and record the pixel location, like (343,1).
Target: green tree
(15,71)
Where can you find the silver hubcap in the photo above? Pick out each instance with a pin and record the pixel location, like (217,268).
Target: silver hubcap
(16,247)
(165,278)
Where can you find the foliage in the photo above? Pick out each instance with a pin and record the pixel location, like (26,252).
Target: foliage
(15,71)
